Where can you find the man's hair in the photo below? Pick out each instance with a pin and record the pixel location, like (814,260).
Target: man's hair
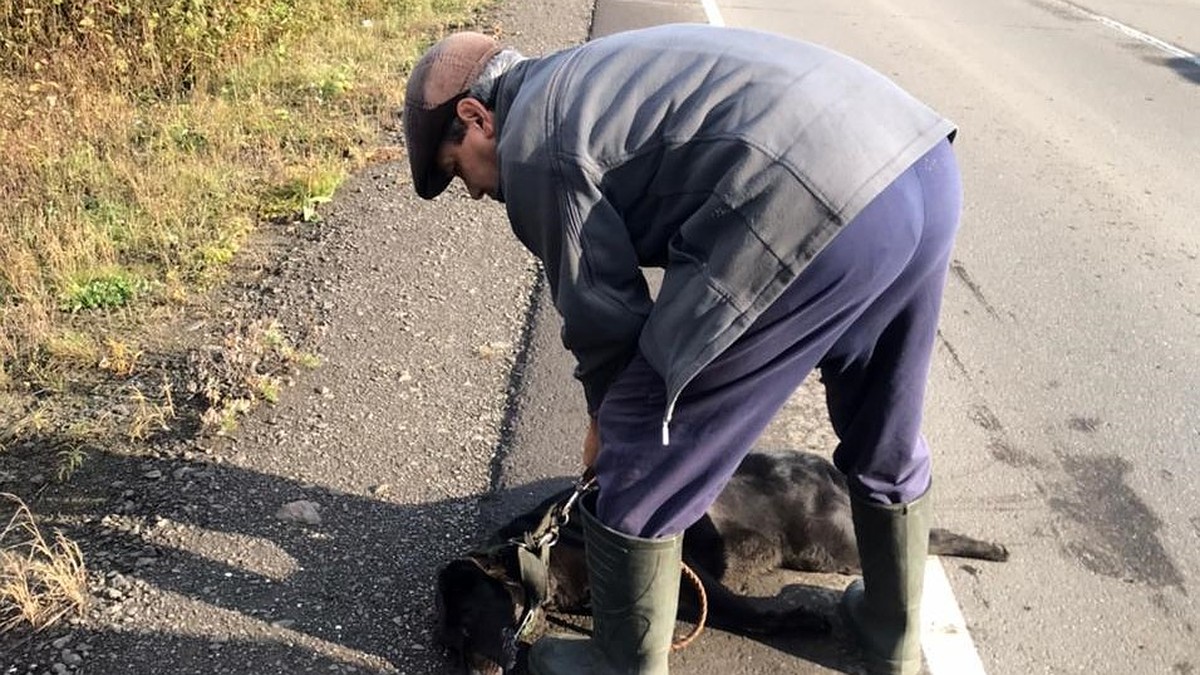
(456,131)
(483,90)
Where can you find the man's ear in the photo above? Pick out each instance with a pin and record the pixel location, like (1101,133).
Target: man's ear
(473,113)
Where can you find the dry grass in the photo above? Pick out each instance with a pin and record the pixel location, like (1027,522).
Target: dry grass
(40,581)
(151,416)
(145,141)
(249,367)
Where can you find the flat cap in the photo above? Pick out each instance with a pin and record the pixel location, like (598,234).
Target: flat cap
(439,80)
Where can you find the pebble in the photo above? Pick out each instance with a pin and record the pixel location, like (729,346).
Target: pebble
(300,511)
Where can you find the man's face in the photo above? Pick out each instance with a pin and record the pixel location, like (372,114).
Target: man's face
(474,158)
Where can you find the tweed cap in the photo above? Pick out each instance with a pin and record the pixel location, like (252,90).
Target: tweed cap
(439,80)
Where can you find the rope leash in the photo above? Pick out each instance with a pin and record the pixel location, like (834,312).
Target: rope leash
(683,642)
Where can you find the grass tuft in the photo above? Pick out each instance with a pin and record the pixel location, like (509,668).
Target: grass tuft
(106,289)
(151,416)
(41,581)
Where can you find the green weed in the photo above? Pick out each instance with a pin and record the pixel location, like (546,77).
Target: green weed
(106,289)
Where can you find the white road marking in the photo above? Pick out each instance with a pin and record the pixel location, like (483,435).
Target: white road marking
(1138,35)
(712,12)
(944,637)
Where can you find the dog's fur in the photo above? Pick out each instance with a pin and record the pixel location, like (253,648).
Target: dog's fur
(787,510)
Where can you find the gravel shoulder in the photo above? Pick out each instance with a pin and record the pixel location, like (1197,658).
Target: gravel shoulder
(307,540)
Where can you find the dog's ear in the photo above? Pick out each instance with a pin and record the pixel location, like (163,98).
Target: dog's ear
(476,610)
(471,569)
(458,582)
(458,573)
(455,584)
(464,582)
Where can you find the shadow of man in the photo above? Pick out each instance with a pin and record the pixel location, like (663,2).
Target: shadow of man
(191,568)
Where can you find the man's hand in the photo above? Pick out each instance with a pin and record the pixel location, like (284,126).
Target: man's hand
(591,444)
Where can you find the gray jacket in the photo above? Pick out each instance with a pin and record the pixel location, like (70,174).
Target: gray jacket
(728,157)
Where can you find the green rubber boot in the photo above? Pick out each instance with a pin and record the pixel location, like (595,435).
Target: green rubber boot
(883,609)
(635,594)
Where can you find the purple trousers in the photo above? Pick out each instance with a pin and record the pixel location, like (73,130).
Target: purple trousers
(864,311)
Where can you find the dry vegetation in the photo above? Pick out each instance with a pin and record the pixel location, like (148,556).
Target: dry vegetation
(40,581)
(142,142)
(140,145)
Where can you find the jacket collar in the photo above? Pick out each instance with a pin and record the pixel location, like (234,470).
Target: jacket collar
(507,88)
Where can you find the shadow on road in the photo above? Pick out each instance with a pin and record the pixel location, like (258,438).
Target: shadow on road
(197,566)
(1188,69)
(199,576)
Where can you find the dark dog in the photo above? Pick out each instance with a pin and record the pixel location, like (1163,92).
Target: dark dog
(786,510)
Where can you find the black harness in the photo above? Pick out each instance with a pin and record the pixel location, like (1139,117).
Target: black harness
(533,563)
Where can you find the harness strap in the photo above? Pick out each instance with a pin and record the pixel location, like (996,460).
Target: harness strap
(533,561)
(533,555)
(535,574)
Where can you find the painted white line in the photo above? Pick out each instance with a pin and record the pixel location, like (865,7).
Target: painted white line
(1139,35)
(712,12)
(944,638)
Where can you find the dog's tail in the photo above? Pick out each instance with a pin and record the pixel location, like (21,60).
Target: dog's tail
(945,542)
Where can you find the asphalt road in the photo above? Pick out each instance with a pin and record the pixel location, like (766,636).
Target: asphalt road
(1063,409)
(1063,406)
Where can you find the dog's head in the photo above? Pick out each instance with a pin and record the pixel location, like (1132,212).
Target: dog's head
(479,607)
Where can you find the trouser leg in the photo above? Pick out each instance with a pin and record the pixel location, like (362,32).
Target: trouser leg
(875,379)
(651,490)
(876,372)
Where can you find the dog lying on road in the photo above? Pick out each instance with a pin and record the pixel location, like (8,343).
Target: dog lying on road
(788,510)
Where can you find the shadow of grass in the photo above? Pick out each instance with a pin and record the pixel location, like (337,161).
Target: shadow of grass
(187,559)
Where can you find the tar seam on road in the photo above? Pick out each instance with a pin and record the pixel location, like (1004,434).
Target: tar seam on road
(516,378)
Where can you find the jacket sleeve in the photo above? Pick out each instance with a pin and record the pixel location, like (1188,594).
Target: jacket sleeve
(558,211)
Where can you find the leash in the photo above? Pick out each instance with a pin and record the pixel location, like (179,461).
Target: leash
(533,557)
(683,642)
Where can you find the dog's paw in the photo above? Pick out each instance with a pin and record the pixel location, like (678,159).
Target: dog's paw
(480,665)
(995,552)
